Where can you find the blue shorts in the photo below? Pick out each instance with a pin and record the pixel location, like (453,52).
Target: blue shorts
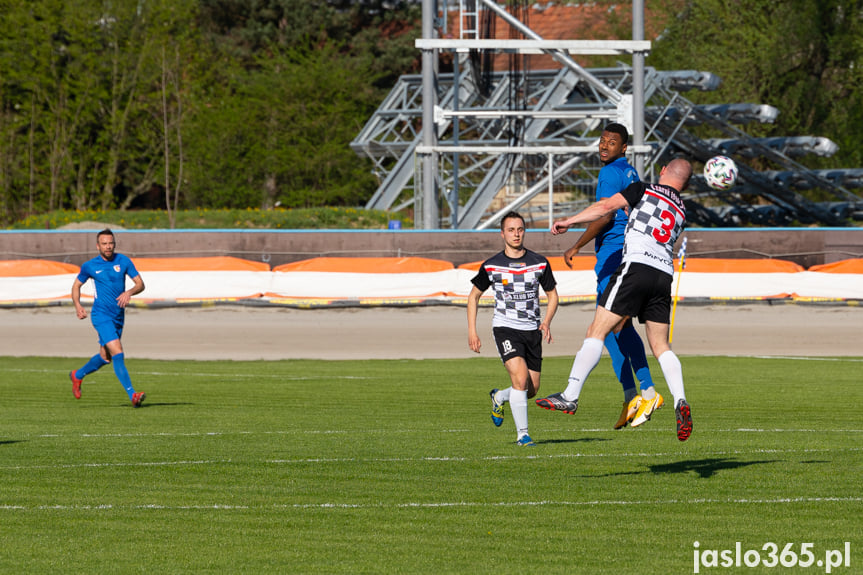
(607,262)
(108,329)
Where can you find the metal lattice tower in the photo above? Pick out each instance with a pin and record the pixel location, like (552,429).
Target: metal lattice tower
(476,156)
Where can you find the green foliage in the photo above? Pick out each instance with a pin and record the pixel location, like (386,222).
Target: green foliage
(380,30)
(279,132)
(805,57)
(278,218)
(238,103)
(219,103)
(351,467)
(80,101)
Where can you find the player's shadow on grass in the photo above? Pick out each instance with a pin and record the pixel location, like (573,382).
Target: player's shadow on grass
(164,404)
(705,468)
(11,441)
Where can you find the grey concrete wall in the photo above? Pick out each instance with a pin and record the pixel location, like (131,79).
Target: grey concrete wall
(807,247)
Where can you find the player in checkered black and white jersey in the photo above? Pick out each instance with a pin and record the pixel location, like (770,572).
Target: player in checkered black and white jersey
(516,274)
(641,287)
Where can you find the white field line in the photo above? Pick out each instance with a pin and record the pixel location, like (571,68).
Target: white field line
(441,504)
(798,358)
(116,464)
(424,432)
(336,377)
(63,377)
(596,503)
(550,456)
(444,459)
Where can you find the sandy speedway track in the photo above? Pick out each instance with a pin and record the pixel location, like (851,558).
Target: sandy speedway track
(247,333)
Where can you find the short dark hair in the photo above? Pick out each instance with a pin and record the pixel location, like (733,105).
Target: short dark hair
(510,215)
(105,232)
(618,129)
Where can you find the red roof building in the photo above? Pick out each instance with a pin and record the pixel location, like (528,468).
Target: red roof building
(555,21)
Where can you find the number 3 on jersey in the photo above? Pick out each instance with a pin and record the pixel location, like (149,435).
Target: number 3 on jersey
(663,233)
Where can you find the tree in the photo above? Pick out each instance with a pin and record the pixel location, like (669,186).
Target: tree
(79,88)
(172,133)
(133,138)
(101,102)
(805,57)
(280,132)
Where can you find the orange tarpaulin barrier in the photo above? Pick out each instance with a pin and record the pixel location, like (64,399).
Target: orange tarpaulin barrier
(367,265)
(579,263)
(852,266)
(701,265)
(210,264)
(30,268)
(741,266)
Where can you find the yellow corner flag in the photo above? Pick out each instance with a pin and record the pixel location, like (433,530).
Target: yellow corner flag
(681,257)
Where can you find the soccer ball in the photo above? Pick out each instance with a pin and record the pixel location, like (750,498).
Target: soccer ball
(720,172)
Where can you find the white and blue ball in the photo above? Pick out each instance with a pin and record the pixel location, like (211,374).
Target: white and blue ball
(720,173)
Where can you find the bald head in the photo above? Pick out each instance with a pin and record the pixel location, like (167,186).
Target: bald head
(676,174)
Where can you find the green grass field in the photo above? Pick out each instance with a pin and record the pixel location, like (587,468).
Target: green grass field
(395,467)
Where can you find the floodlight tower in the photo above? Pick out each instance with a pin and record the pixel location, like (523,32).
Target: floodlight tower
(637,127)
(430,217)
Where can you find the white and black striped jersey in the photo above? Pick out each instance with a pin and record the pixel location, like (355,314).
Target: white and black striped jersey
(656,218)
(516,283)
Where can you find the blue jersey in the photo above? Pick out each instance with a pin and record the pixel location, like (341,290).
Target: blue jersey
(613,178)
(109,280)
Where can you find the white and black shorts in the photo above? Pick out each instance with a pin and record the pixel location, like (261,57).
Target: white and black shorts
(638,290)
(519,343)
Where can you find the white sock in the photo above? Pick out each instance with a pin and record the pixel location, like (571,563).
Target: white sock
(518,407)
(673,372)
(502,395)
(648,393)
(584,362)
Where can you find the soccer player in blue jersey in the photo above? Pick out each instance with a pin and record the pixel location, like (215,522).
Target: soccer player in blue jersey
(108,271)
(641,285)
(516,275)
(625,348)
